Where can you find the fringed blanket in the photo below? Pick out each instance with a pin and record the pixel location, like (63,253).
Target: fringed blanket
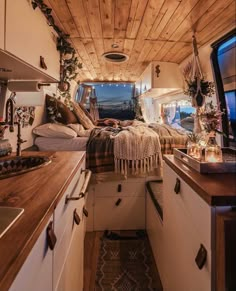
(100,149)
(137,148)
(170,137)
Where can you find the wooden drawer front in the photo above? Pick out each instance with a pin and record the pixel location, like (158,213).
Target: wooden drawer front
(36,272)
(130,214)
(63,211)
(193,207)
(120,188)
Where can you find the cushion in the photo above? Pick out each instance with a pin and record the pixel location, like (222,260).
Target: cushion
(58,111)
(79,129)
(54,130)
(87,113)
(82,117)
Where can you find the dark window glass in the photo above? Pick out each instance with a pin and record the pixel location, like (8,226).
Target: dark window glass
(113,100)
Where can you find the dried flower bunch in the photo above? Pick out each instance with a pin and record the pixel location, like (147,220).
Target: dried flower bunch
(207,87)
(210,116)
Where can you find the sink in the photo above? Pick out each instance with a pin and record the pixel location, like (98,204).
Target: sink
(8,215)
(18,165)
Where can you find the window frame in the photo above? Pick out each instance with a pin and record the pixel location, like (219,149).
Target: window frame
(220,93)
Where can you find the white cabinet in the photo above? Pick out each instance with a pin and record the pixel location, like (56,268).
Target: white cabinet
(68,252)
(119,205)
(60,269)
(187,225)
(28,36)
(2,23)
(36,273)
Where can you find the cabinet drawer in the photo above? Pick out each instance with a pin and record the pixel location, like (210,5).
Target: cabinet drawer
(129,214)
(120,188)
(190,204)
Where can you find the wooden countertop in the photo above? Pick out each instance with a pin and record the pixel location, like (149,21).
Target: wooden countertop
(215,189)
(38,192)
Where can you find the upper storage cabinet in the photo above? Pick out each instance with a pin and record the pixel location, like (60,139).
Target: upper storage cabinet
(28,36)
(2,23)
(160,78)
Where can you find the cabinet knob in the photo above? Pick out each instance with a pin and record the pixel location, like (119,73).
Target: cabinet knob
(51,237)
(177,186)
(201,257)
(76,217)
(85,211)
(119,188)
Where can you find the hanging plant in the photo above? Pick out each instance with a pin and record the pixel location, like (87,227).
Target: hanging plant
(197,87)
(68,67)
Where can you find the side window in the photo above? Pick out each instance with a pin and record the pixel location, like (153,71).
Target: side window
(223,59)
(179,114)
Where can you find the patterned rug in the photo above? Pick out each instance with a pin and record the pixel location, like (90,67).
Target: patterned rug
(126,264)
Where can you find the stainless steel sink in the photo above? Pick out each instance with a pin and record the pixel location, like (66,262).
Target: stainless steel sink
(18,165)
(8,215)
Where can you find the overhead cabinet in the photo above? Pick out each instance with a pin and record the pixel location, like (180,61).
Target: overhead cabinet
(2,23)
(159,78)
(29,37)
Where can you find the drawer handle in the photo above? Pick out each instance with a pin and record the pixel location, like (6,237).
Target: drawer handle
(177,186)
(76,217)
(119,188)
(201,257)
(118,202)
(88,174)
(51,237)
(85,212)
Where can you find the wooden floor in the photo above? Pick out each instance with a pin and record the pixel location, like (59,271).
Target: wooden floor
(91,254)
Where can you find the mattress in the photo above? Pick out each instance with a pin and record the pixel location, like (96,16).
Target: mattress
(61,144)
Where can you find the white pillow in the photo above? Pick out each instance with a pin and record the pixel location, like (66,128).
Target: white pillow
(79,129)
(54,130)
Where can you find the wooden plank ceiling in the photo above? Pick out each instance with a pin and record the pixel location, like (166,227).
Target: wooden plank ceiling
(145,30)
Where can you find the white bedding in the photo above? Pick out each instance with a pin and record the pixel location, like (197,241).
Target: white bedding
(61,144)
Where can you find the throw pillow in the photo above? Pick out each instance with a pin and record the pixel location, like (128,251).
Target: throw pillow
(58,111)
(82,117)
(54,130)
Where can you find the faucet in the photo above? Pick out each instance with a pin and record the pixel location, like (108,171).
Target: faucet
(10,111)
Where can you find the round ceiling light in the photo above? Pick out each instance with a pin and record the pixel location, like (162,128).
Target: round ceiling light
(115,57)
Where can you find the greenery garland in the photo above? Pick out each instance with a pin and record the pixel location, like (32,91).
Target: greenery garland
(69,66)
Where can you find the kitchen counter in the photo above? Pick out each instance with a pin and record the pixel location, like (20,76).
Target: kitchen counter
(215,189)
(38,192)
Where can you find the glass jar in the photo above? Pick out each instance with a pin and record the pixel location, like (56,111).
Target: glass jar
(194,150)
(213,152)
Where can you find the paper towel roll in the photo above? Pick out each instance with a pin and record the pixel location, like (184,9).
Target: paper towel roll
(24,86)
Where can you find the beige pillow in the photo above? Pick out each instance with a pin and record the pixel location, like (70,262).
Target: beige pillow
(82,117)
(54,130)
(79,129)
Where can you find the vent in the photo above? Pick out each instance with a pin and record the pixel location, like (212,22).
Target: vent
(115,57)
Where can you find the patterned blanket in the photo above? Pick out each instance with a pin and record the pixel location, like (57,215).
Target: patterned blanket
(170,137)
(100,149)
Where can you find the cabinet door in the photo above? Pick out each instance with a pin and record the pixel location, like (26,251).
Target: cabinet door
(36,273)
(2,23)
(28,36)
(71,277)
(128,214)
(183,237)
